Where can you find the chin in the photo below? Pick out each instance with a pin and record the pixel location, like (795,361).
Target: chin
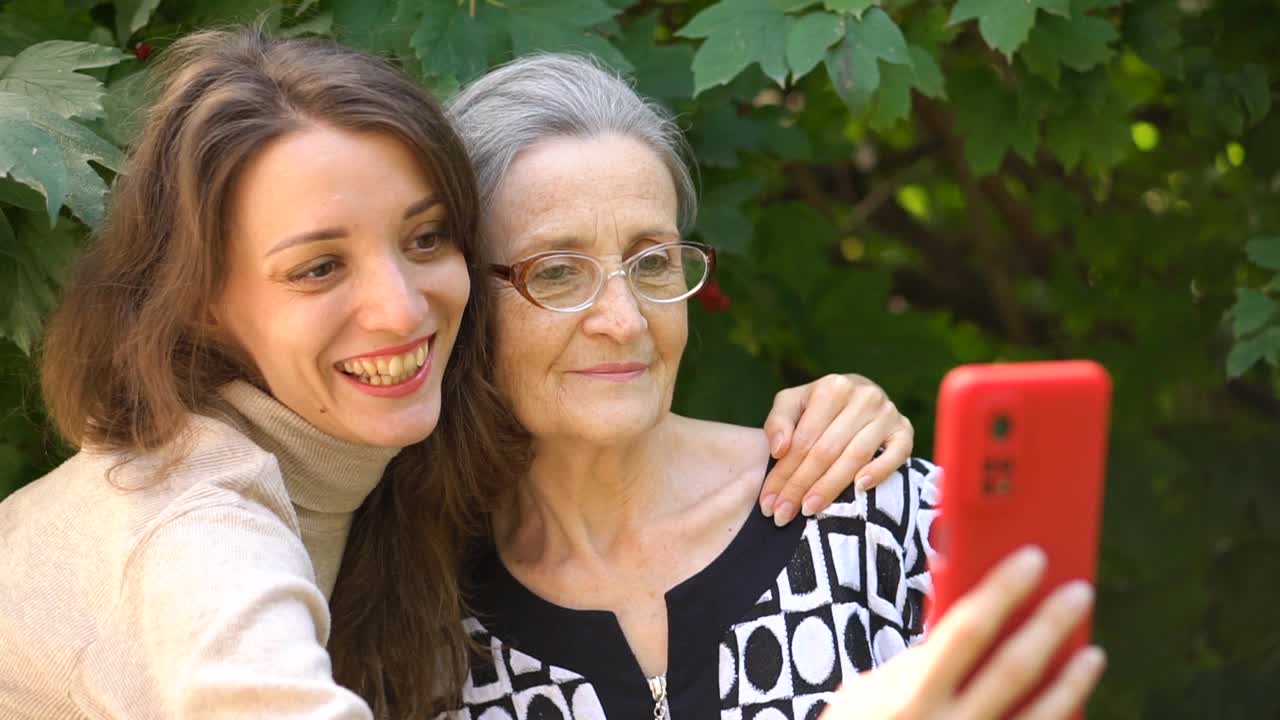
(610,428)
(399,430)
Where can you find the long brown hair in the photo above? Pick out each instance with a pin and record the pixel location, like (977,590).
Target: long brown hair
(127,358)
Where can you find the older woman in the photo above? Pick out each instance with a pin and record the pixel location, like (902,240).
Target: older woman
(260,329)
(629,574)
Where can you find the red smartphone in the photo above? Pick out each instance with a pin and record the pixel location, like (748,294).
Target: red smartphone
(1023,449)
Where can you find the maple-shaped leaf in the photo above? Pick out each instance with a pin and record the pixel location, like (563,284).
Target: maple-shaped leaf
(35,260)
(50,153)
(809,39)
(1081,42)
(738,33)
(854,63)
(1005,24)
(131,16)
(563,25)
(453,44)
(850,7)
(893,100)
(46,72)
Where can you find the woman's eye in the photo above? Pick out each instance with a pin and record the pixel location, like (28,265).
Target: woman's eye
(430,241)
(317,272)
(655,263)
(555,273)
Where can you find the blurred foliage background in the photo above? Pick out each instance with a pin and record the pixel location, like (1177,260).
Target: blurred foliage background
(896,186)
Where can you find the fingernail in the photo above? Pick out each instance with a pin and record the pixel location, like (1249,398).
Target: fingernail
(862,483)
(766,505)
(775,444)
(784,513)
(1029,559)
(811,505)
(1095,656)
(1077,594)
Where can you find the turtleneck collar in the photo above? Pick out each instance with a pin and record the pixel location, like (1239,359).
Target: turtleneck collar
(322,473)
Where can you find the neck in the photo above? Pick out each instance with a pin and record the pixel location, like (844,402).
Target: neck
(581,499)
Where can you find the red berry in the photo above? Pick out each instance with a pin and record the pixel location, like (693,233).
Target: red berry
(712,297)
(142,51)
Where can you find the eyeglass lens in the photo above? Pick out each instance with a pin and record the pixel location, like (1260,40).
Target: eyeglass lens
(661,274)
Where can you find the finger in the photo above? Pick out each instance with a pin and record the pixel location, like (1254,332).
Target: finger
(1018,663)
(822,408)
(1070,689)
(964,633)
(832,441)
(841,474)
(897,449)
(788,406)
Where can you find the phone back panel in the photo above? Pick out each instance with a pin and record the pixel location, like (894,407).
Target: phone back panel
(1023,451)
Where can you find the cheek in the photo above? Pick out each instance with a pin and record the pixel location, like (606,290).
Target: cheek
(669,326)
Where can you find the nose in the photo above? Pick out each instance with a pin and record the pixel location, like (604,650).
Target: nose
(389,301)
(616,312)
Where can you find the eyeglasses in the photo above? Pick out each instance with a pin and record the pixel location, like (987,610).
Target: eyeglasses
(566,281)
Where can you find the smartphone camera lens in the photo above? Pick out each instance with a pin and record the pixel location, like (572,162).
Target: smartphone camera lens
(1001,427)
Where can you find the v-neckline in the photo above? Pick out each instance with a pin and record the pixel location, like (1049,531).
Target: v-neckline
(591,642)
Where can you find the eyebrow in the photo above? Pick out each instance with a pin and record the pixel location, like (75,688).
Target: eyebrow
(336,232)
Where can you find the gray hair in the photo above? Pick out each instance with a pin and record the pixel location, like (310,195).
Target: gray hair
(547,95)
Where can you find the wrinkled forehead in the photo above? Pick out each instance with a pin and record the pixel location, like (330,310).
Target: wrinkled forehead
(586,192)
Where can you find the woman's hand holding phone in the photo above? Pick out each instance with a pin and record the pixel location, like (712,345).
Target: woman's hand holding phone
(928,681)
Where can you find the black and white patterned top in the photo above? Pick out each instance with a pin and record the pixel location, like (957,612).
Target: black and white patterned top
(767,631)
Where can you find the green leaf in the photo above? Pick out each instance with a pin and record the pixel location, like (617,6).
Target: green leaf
(563,25)
(992,121)
(927,76)
(809,39)
(893,100)
(34,260)
(1264,252)
(363,23)
(1005,24)
(303,6)
(1255,91)
(738,33)
(17,194)
(1155,34)
(849,7)
(1246,353)
(853,65)
(132,16)
(1252,311)
(123,106)
(1081,43)
(453,45)
(721,221)
(46,72)
(661,71)
(1091,124)
(319,24)
(50,153)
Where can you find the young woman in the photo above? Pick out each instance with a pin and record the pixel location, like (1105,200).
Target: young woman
(288,267)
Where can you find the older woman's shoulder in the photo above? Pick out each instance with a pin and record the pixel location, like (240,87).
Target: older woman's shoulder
(914,486)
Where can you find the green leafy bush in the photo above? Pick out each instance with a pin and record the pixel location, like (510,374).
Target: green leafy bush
(896,186)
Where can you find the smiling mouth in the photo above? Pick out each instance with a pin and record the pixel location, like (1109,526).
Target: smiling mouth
(392,369)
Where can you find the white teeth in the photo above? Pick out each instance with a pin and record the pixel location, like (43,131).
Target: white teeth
(420,356)
(382,366)
(395,366)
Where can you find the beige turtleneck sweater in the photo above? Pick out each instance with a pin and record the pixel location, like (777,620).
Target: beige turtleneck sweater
(202,595)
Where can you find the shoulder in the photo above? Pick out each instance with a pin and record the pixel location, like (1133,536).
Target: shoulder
(912,487)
